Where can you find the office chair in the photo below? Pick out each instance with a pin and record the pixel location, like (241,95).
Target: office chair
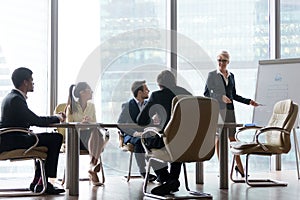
(32,153)
(188,137)
(62,108)
(274,139)
(127,148)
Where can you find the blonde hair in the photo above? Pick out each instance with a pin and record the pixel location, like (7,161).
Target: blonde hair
(224,54)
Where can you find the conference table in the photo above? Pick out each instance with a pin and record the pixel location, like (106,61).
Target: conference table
(72,153)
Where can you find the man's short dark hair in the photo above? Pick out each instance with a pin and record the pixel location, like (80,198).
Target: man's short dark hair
(137,86)
(19,75)
(166,79)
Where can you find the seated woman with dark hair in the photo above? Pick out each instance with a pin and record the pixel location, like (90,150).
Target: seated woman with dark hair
(83,110)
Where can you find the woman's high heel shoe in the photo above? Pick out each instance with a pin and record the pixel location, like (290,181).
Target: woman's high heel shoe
(97,168)
(94,178)
(238,171)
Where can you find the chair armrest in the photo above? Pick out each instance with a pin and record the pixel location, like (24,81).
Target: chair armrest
(152,131)
(267,129)
(247,128)
(21,130)
(13,129)
(272,129)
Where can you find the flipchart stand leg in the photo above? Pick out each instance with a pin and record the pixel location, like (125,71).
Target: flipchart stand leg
(297,151)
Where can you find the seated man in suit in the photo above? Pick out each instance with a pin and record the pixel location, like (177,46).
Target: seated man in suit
(160,103)
(129,113)
(15,113)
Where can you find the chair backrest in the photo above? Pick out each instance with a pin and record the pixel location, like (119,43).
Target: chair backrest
(284,116)
(176,99)
(61,108)
(190,133)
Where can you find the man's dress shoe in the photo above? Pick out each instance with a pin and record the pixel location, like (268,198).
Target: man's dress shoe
(151,177)
(50,189)
(166,188)
(161,179)
(31,186)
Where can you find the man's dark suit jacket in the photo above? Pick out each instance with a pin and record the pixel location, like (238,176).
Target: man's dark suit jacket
(215,87)
(15,113)
(129,113)
(160,102)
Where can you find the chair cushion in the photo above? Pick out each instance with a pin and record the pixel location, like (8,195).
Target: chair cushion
(280,112)
(240,148)
(280,118)
(40,152)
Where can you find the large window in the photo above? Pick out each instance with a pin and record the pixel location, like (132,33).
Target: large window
(239,28)
(127,40)
(132,38)
(78,36)
(290,28)
(24,43)
(110,44)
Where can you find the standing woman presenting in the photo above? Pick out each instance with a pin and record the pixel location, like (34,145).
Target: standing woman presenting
(84,111)
(220,85)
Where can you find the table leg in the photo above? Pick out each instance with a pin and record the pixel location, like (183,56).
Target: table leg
(223,152)
(297,151)
(72,165)
(199,173)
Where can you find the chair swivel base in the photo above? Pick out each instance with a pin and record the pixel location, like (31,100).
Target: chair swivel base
(21,192)
(133,176)
(17,192)
(265,183)
(255,182)
(261,182)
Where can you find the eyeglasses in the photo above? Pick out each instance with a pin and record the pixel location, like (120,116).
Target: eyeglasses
(223,61)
